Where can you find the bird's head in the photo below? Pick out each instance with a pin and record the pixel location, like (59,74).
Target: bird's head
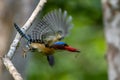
(64,46)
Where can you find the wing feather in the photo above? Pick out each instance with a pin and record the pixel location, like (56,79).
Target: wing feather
(52,27)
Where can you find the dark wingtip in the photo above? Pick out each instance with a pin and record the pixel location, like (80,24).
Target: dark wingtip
(50,59)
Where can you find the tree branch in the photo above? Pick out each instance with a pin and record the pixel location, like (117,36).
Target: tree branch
(13,71)
(6,60)
(25,28)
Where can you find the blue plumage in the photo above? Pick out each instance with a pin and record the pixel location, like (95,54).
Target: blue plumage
(59,43)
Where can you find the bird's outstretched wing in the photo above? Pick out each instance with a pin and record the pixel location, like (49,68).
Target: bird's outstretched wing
(53,27)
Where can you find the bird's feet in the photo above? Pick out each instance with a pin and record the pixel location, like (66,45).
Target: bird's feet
(24,52)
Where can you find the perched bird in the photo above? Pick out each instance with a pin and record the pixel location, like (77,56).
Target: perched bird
(46,34)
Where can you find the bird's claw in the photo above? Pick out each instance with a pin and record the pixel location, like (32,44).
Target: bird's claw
(24,52)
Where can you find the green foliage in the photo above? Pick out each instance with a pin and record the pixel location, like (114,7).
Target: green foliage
(87,35)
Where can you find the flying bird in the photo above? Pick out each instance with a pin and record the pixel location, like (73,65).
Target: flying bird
(46,35)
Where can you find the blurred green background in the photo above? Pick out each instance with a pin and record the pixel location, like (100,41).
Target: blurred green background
(86,35)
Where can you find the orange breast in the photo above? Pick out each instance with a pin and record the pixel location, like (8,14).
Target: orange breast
(41,48)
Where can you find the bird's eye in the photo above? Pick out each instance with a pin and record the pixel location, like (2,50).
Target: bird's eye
(65,45)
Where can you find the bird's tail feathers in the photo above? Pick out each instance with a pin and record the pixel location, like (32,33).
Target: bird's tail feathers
(21,32)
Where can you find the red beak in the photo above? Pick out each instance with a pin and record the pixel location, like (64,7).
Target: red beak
(71,49)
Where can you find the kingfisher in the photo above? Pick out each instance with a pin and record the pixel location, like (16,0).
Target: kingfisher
(46,35)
